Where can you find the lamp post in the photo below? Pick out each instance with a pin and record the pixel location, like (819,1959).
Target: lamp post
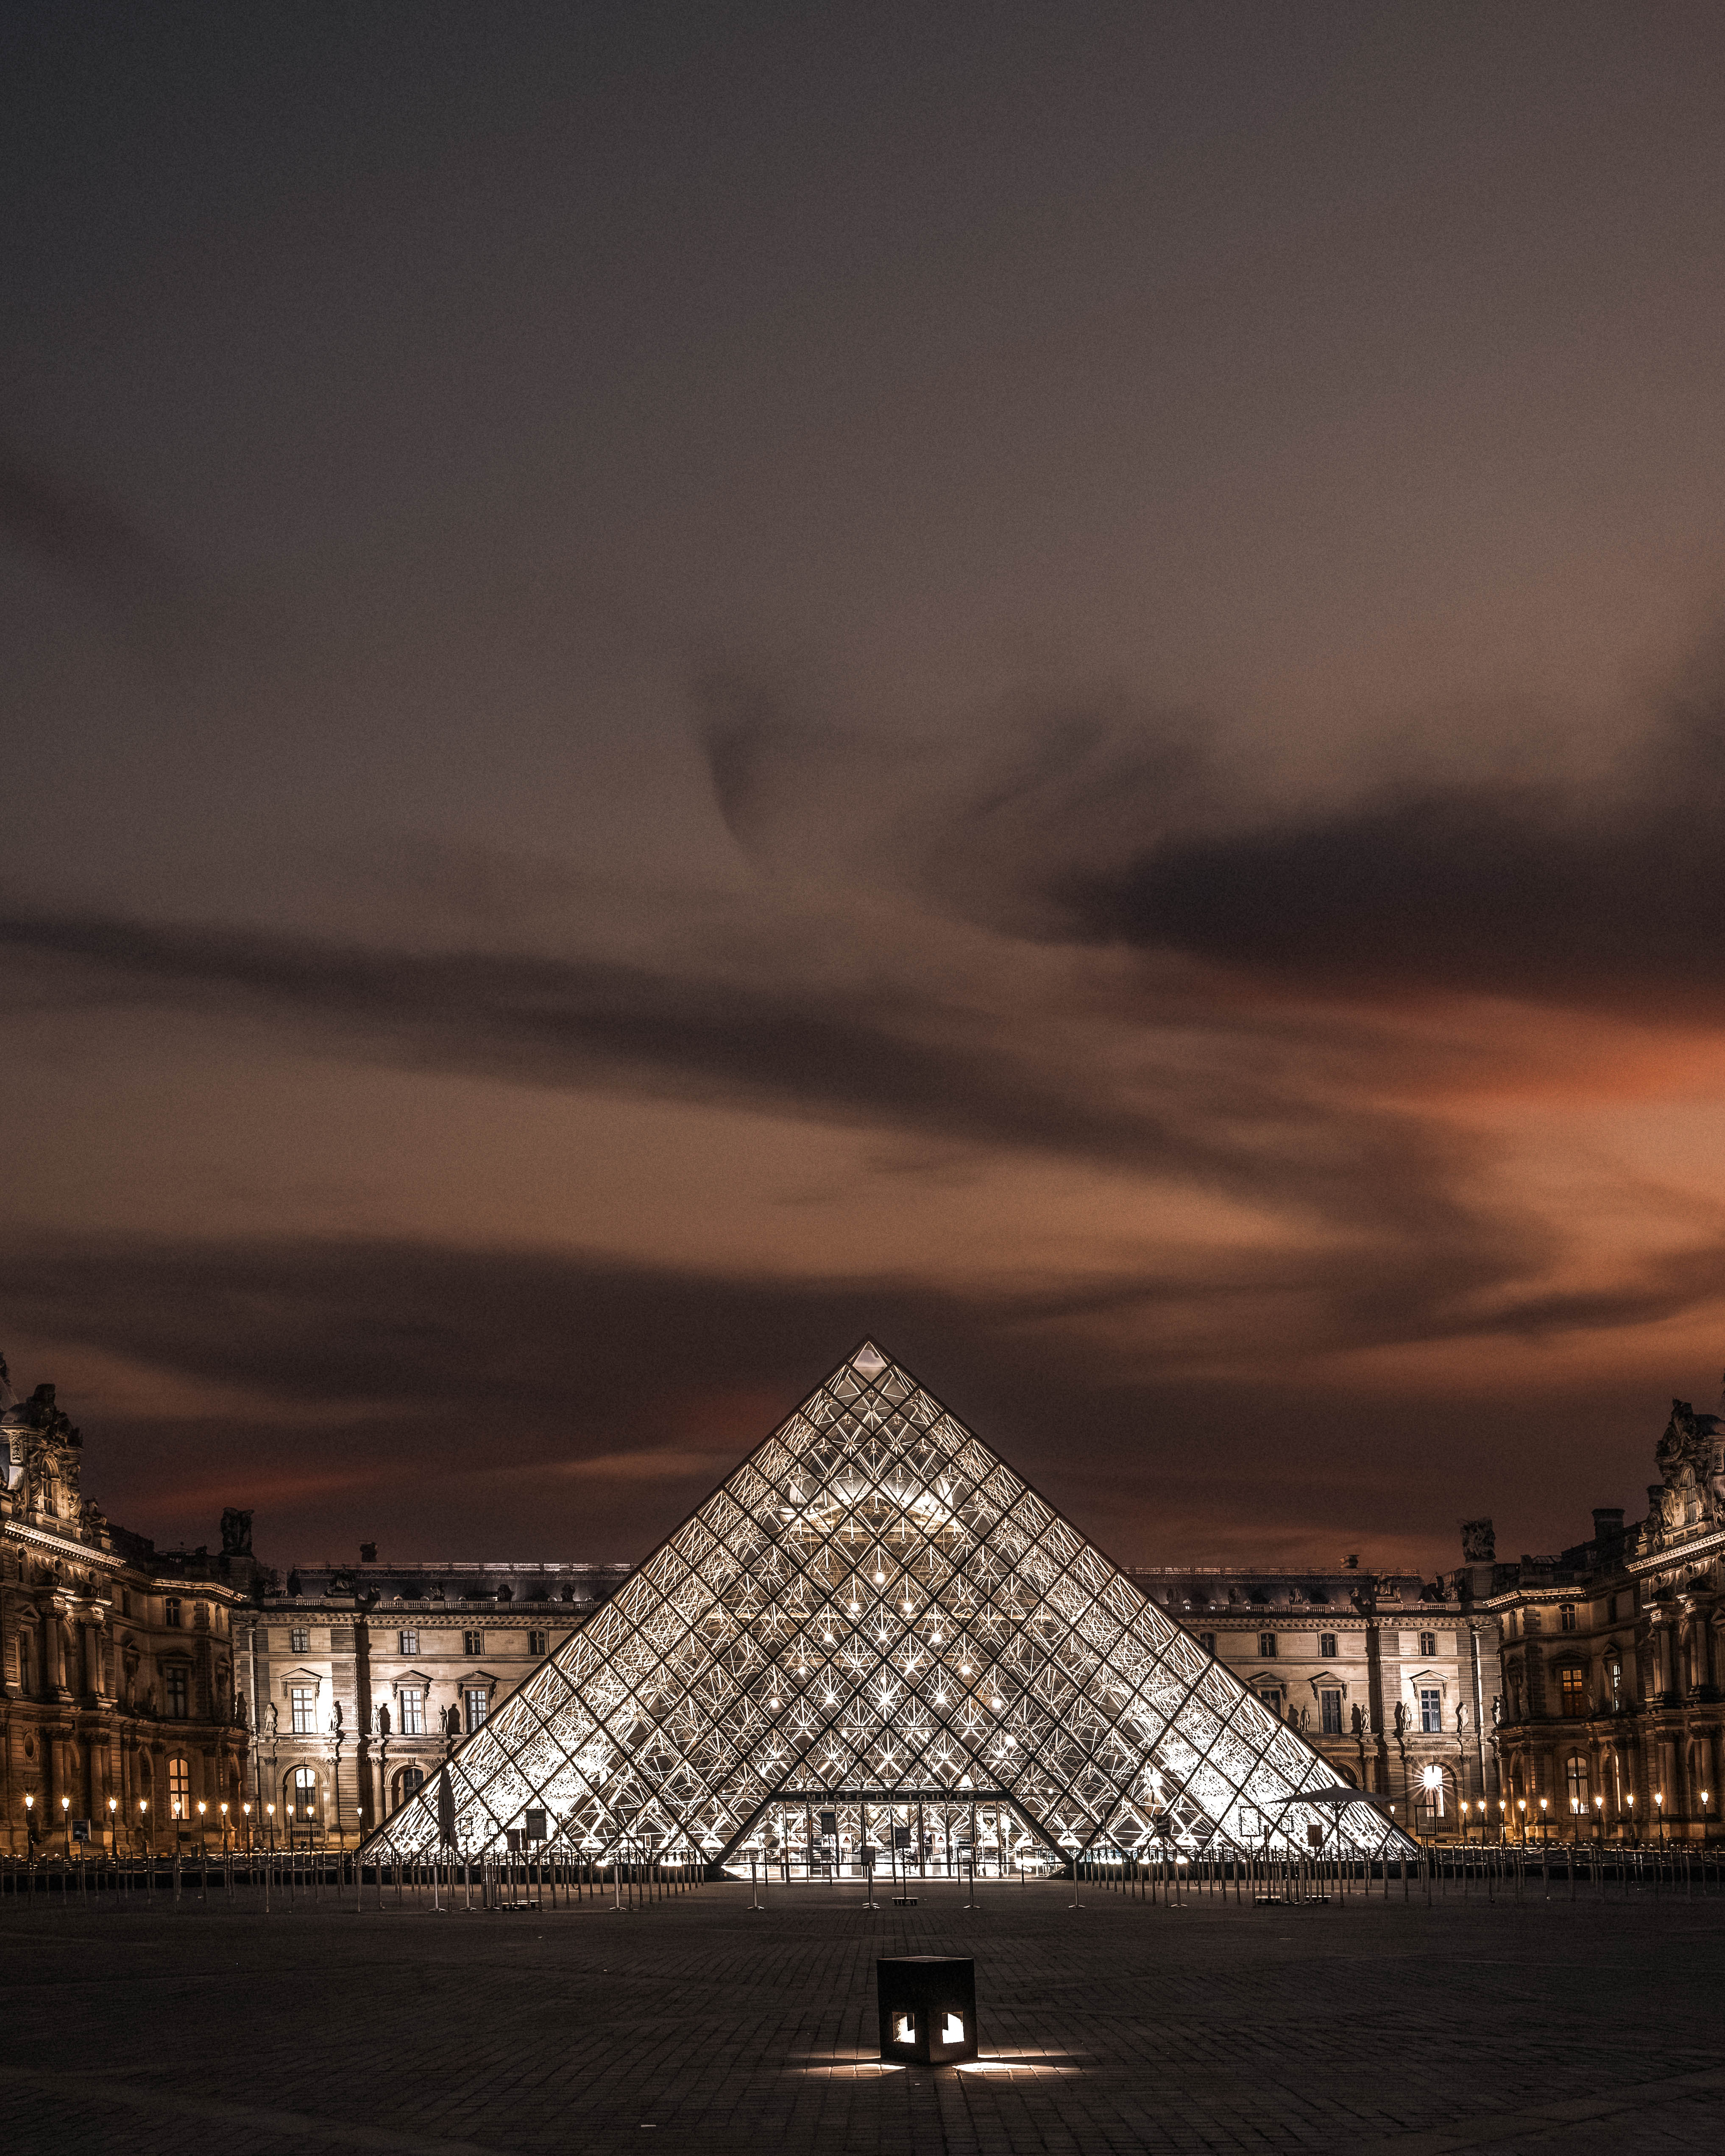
(1630,1800)
(144,1824)
(270,1810)
(201,1809)
(247,1830)
(29,1823)
(1659,1799)
(1521,1807)
(1543,1805)
(1704,1799)
(66,1822)
(113,1825)
(223,1808)
(1599,1831)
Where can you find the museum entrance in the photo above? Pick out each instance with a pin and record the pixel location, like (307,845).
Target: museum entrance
(836,1836)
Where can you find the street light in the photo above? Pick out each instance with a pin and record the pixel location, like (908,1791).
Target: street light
(1659,1799)
(144,1824)
(1543,1803)
(201,1809)
(1521,1807)
(246,1809)
(270,1810)
(113,1824)
(223,1808)
(66,1822)
(29,1821)
(1704,1795)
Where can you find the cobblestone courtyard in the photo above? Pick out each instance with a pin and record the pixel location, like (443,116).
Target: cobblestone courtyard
(700,2024)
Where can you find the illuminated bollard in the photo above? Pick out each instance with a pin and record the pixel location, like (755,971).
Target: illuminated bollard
(927,2008)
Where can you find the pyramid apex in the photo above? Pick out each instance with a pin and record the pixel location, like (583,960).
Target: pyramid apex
(868,1361)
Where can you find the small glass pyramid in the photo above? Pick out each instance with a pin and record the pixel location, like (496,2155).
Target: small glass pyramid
(875,1616)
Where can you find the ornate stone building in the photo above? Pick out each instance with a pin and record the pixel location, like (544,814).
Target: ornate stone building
(117,1695)
(1612,1707)
(1581,1692)
(1391,1676)
(358,1678)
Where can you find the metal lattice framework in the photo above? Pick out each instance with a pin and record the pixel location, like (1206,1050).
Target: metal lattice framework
(875,1608)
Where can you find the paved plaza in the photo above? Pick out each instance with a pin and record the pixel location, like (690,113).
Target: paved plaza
(700,2024)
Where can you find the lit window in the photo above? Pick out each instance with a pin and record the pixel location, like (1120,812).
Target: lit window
(1566,1617)
(473,1643)
(178,1679)
(1428,1645)
(413,1710)
(1572,1692)
(409,1643)
(1330,1706)
(171,1609)
(303,1708)
(179,1786)
(479,1705)
(299,1640)
(1431,1709)
(1614,1671)
(302,1793)
(1575,1781)
(1327,1645)
(1267,1645)
(538,1643)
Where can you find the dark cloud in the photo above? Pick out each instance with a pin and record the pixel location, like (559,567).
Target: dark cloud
(924,1053)
(441,1396)
(1595,896)
(78,531)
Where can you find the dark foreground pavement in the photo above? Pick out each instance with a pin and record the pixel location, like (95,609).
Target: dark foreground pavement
(698,2024)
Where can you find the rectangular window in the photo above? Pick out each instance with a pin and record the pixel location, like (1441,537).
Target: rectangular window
(473,1643)
(303,1701)
(171,1609)
(1271,1696)
(1207,1640)
(1572,1692)
(179,1787)
(1428,1646)
(1327,1645)
(1611,1611)
(1267,1645)
(1330,1715)
(200,1616)
(178,1681)
(409,1643)
(1431,1710)
(413,1710)
(1614,1671)
(538,1643)
(1530,1620)
(125,1602)
(1566,1617)
(299,1640)
(478,1705)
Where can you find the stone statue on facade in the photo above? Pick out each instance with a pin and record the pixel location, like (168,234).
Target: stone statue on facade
(236,1533)
(1478,1543)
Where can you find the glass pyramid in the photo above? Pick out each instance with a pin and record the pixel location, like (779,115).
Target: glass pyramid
(874,1618)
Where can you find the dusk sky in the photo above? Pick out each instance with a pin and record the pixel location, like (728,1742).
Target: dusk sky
(684,681)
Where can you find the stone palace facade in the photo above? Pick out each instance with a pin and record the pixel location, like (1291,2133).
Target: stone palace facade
(169,1698)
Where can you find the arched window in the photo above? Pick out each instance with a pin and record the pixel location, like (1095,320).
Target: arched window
(179,1786)
(408,1780)
(1575,1783)
(300,1793)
